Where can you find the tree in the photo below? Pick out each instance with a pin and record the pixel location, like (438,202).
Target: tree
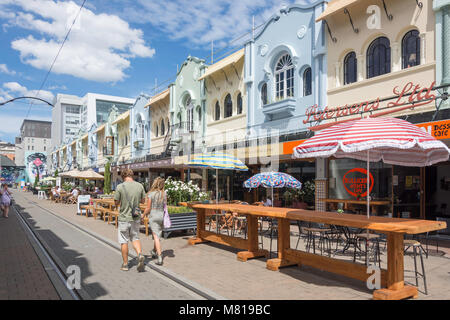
(56,173)
(107,186)
(36,180)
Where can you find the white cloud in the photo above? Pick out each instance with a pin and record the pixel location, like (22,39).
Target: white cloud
(203,21)
(4,69)
(11,90)
(99,47)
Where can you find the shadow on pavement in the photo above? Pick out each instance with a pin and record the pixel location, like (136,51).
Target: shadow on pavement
(57,247)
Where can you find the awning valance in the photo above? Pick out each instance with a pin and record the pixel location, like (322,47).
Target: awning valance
(123,116)
(334,6)
(159,97)
(230,60)
(100,128)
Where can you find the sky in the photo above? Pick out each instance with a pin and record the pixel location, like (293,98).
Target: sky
(116,47)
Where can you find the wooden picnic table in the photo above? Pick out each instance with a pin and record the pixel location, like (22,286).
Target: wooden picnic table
(392,279)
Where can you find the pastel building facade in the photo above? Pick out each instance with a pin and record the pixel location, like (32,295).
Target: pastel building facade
(285,70)
(226,106)
(187,107)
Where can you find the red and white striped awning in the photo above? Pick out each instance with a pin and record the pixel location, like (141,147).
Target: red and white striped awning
(392,140)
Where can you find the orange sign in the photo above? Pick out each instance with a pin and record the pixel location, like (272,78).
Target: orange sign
(355,182)
(438,129)
(289,146)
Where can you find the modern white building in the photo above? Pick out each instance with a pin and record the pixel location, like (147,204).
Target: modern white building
(72,114)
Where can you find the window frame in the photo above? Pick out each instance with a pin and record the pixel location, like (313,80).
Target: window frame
(307,84)
(372,69)
(228,106)
(411,34)
(348,56)
(217,111)
(239,106)
(284,77)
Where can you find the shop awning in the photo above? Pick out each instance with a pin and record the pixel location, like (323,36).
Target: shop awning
(335,6)
(100,128)
(73,142)
(159,97)
(123,116)
(85,136)
(230,60)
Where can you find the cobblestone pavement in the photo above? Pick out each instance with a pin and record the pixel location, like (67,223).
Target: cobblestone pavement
(23,276)
(215,266)
(99,263)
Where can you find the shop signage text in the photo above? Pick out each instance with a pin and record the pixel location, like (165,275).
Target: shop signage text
(409,97)
(355,182)
(439,129)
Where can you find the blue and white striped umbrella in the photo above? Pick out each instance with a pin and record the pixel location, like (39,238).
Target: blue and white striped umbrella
(218,160)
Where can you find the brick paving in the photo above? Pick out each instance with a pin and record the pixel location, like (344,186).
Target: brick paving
(215,267)
(23,276)
(99,264)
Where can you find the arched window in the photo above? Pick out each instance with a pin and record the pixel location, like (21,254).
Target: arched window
(378,57)
(264,94)
(284,77)
(190,113)
(156,131)
(199,113)
(307,82)
(239,103)
(217,111)
(228,112)
(168,125)
(350,63)
(139,128)
(411,49)
(163,129)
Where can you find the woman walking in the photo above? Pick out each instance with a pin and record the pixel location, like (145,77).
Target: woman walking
(5,200)
(156,203)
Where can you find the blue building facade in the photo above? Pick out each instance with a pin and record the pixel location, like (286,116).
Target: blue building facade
(285,71)
(140,128)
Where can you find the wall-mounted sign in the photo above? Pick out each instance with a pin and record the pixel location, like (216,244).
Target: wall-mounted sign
(355,182)
(438,129)
(409,97)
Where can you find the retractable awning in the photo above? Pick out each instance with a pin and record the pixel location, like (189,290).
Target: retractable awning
(335,6)
(227,61)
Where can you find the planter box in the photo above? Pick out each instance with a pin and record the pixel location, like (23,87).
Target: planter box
(181,221)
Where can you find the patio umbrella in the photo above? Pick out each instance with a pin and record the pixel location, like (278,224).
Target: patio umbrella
(70,174)
(272,180)
(89,175)
(392,140)
(218,160)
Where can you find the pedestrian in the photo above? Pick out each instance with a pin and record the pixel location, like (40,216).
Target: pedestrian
(128,195)
(156,202)
(5,200)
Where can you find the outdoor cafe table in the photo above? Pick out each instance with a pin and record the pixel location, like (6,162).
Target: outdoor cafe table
(392,279)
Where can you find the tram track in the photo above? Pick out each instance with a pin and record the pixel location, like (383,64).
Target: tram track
(82,294)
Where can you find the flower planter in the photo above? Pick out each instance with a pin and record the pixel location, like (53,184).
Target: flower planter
(181,221)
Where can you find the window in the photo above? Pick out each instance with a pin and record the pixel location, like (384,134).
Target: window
(199,112)
(350,63)
(239,104)
(411,49)
(264,94)
(163,129)
(284,77)
(140,133)
(156,131)
(307,82)
(45,148)
(217,111)
(190,113)
(378,57)
(228,107)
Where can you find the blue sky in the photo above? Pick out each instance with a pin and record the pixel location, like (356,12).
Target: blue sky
(117,47)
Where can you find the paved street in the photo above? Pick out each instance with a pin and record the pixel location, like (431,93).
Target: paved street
(22,273)
(210,266)
(99,263)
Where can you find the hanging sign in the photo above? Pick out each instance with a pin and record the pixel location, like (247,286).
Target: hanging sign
(355,182)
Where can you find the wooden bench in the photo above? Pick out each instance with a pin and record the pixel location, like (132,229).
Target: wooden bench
(88,209)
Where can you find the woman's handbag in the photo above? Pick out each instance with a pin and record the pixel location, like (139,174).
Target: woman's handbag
(167,222)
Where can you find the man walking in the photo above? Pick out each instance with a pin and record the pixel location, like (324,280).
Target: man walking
(128,196)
